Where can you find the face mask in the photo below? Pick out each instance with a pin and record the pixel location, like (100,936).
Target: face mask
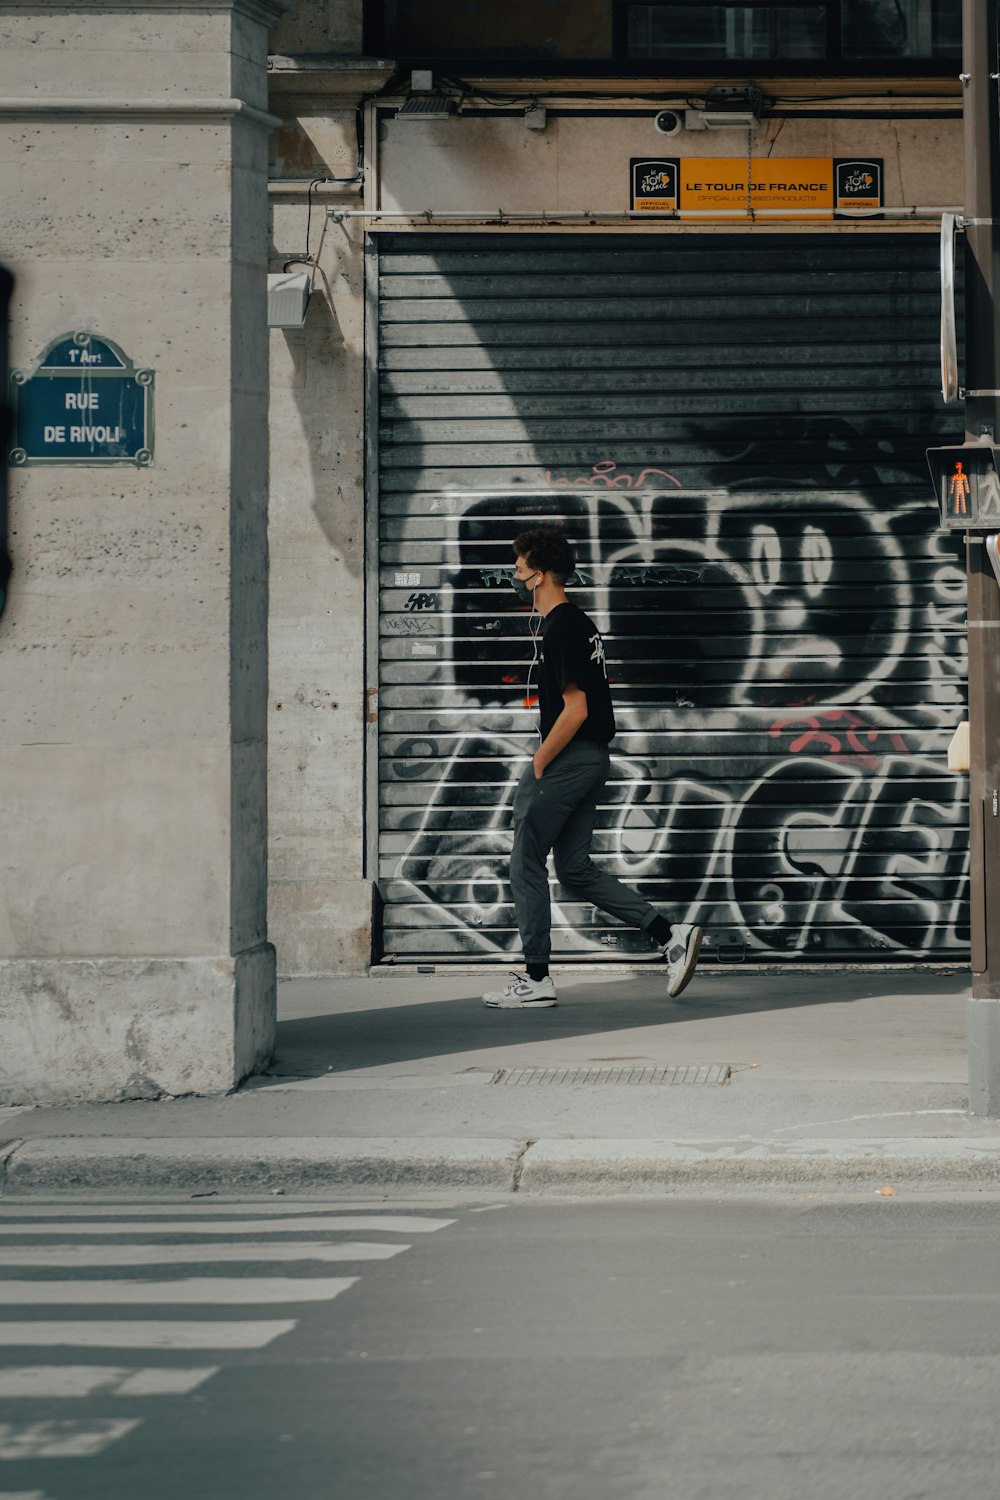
(521,589)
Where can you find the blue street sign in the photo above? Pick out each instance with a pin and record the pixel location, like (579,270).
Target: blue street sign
(86,403)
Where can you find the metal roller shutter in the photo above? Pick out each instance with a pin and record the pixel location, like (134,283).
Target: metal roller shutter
(731,428)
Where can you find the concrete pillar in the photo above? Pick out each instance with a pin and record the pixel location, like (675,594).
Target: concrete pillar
(134,958)
(983,1029)
(321,890)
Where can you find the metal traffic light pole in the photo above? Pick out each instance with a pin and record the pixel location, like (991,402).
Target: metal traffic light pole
(981,221)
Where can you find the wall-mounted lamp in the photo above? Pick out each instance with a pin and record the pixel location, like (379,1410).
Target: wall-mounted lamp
(287,299)
(425,107)
(427,100)
(720,119)
(728,108)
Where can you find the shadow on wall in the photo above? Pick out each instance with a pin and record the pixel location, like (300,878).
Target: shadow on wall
(327,394)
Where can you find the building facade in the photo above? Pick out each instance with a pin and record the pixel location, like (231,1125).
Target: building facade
(667,275)
(664,274)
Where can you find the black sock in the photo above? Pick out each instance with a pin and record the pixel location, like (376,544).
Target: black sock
(659,930)
(538,971)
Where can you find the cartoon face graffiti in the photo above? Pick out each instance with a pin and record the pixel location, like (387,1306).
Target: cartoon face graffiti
(830,598)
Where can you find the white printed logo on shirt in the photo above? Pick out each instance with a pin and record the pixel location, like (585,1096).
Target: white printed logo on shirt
(598,653)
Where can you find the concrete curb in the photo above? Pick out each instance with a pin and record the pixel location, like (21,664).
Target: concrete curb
(636,1165)
(229,1164)
(581,1166)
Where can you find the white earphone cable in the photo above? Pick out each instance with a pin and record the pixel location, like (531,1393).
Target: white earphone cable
(535,631)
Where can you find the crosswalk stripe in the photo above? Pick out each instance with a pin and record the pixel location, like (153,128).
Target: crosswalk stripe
(226,1237)
(84,1439)
(147,1334)
(45,1381)
(160,1255)
(184,1291)
(394,1223)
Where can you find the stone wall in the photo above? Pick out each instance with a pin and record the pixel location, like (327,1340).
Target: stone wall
(133,946)
(320,889)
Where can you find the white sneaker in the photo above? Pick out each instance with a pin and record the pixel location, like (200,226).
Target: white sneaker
(523,994)
(681,954)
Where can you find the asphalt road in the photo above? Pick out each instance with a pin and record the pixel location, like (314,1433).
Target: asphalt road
(739,1348)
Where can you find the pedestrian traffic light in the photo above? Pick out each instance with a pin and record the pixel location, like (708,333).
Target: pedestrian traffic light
(967,485)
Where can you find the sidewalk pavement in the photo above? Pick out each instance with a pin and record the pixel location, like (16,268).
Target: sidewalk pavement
(403,1080)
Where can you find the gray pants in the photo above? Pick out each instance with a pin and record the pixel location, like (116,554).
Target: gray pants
(556,812)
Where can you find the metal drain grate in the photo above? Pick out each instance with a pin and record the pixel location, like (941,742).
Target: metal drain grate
(538,1077)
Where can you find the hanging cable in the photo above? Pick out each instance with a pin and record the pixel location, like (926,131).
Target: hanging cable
(534,631)
(356,180)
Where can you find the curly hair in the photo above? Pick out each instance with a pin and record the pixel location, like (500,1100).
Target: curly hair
(548,550)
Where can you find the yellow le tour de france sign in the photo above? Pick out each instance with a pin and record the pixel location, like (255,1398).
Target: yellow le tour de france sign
(803,186)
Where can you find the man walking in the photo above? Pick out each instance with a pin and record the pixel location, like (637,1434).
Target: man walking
(555,804)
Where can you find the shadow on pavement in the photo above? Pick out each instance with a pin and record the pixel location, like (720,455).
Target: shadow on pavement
(384,1033)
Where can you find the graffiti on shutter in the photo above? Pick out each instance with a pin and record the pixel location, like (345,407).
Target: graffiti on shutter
(733,438)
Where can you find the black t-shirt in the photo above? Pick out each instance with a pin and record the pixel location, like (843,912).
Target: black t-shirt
(573,651)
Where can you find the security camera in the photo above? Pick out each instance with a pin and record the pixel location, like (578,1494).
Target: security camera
(668,122)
